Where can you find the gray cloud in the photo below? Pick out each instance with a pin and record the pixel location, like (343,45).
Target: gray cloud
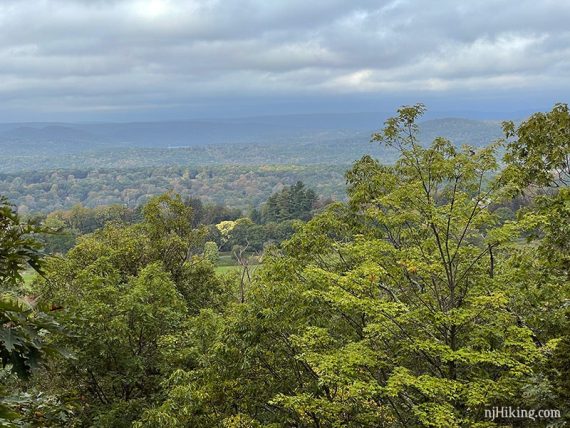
(103,55)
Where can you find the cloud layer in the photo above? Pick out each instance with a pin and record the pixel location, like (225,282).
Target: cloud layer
(153,55)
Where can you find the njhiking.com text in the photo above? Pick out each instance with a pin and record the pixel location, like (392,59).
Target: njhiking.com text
(508,412)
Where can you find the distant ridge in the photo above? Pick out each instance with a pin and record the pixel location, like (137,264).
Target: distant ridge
(73,137)
(461,131)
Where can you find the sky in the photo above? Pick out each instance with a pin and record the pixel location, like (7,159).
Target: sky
(93,60)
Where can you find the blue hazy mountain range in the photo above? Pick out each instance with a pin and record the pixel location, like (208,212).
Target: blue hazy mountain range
(236,162)
(305,130)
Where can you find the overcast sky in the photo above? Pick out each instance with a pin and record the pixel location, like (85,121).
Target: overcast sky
(174,59)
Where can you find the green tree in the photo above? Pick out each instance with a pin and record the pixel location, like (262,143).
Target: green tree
(116,328)
(396,309)
(294,202)
(537,160)
(168,222)
(211,252)
(539,147)
(429,336)
(123,290)
(24,325)
(19,249)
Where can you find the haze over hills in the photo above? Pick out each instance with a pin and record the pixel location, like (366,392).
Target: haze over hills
(185,133)
(61,139)
(237,162)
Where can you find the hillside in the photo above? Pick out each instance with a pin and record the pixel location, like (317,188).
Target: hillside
(54,166)
(321,139)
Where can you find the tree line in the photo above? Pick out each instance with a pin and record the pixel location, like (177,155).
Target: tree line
(273,222)
(238,186)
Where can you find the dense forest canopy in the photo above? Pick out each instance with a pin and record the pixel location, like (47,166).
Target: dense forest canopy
(438,290)
(241,187)
(45,169)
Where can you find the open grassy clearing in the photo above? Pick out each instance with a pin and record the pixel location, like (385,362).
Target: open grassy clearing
(28,276)
(227,263)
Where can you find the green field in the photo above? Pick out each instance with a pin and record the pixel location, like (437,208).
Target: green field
(227,269)
(227,264)
(28,276)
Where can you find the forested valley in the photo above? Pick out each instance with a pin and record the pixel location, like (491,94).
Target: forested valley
(48,168)
(432,287)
